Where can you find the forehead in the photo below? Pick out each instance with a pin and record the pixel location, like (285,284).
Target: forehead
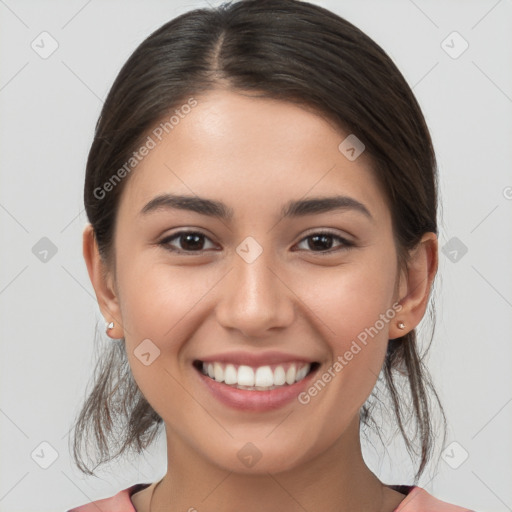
(248,150)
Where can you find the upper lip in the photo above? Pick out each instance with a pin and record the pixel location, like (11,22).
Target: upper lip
(255,359)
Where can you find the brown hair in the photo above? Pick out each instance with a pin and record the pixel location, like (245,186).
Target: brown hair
(292,51)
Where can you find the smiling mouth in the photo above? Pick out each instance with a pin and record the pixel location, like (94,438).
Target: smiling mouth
(261,378)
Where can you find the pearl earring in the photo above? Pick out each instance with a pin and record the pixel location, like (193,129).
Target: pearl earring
(401,325)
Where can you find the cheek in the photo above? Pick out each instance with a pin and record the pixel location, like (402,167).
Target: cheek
(351,298)
(354,306)
(157,298)
(160,303)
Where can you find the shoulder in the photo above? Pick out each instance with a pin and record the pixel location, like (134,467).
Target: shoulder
(120,502)
(419,500)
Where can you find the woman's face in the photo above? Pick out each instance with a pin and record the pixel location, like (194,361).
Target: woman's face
(262,287)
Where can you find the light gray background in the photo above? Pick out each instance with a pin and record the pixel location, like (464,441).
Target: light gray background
(49,108)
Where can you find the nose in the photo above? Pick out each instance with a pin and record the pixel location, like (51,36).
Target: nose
(255,298)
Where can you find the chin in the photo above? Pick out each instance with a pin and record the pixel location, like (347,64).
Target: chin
(258,458)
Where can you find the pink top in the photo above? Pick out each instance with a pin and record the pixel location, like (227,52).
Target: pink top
(416,500)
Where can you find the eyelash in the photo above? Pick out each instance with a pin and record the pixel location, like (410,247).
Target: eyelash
(346,244)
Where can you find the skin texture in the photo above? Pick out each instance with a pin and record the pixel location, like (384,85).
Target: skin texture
(255,155)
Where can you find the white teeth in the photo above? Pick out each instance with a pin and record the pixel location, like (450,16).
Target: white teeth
(279,376)
(290,375)
(301,373)
(261,378)
(245,376)
(230,375)
(218,372)
(264,377)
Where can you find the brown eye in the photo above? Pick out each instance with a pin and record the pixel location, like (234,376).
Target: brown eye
(187,241)
(323,242)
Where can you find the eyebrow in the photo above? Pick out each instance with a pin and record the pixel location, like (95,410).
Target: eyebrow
(213,208)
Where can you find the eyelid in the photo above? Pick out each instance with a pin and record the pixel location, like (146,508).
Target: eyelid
(165,241)
(326,231)
(346,242)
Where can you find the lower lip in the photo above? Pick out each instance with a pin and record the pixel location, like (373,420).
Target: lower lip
(257,401)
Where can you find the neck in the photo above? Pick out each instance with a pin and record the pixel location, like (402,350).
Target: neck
(333,481)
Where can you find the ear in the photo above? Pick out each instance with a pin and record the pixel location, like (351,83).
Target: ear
(102,282)
(415,285)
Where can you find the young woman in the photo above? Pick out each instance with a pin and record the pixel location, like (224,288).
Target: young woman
(261,192)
